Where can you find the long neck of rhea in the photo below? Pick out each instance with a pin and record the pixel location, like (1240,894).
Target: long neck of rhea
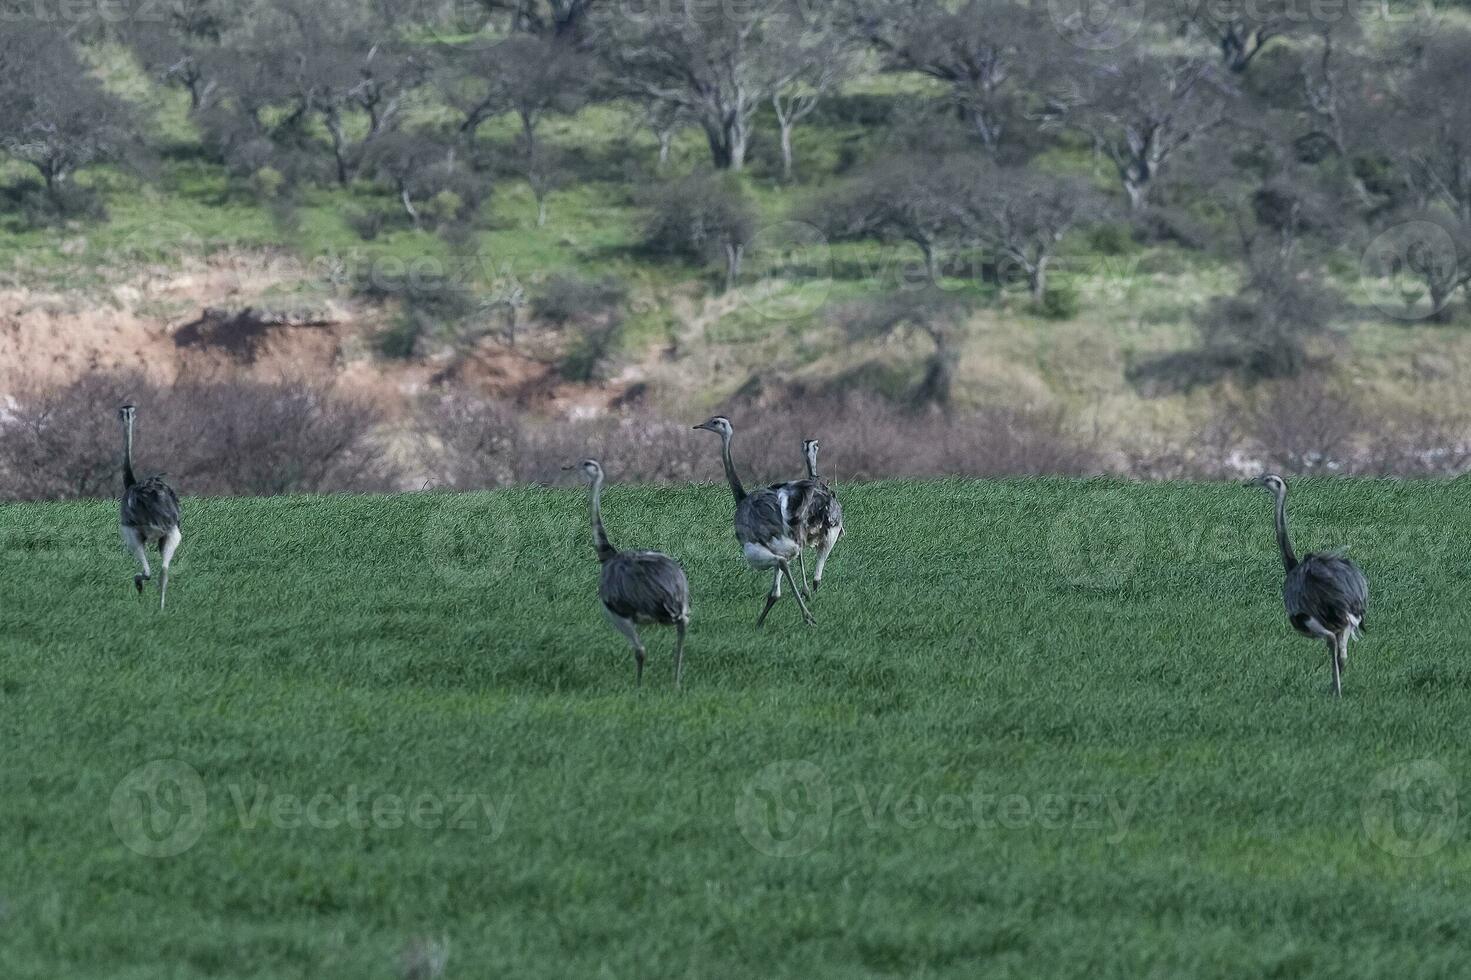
(738,491)
(599,534)
(128,478)
(1289,560)
(812,463)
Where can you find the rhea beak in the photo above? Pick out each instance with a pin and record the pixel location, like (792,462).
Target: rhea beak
(567,467)
(702,425)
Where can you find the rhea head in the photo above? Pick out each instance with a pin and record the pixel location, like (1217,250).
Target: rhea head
(718,424)
(126,413)
(1270,482)
(590,469)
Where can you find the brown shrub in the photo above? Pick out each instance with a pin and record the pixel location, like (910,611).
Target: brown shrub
(1314,425)
(487,445)
(866,438)
(1305,426)
(210,437)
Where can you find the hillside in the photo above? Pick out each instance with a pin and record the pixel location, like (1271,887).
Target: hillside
(1045,728)
(184,234)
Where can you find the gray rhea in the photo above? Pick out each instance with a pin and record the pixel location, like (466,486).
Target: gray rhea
(637,587)
(1326,596)
(763,524)
(817,518)
(149,514)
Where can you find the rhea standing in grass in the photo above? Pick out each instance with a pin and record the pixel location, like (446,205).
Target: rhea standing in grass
(149,514)
(763,524)
(637,587)
(819,515)
(1326,595)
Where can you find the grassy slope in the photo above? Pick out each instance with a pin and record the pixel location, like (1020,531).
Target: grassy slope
(1094,641)
(1134,305)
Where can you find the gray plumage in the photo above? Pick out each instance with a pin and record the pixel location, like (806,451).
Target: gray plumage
(1326,595)
(818,516)
(150,506)
(148,514)
(637,587)
(763,524)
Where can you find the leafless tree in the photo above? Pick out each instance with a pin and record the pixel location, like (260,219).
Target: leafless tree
(1140,111)
(710,59)
(403,159)
(1021,216)
(525,74)
(545,169)
(1430,248)
(54,114)
(1241,29)
(181,43)
(303,61)
(1427,124)
(703,217)
(985,52)
(918,198)
(665,120)
(811,64)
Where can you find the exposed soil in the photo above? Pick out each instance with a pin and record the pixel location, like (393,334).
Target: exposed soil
(210,319)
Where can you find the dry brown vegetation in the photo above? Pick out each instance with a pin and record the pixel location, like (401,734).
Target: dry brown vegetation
(231,436)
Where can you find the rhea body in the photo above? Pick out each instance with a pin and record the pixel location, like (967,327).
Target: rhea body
(764,524)
(817,518)
(637,588)
(1326,595)
(148,514)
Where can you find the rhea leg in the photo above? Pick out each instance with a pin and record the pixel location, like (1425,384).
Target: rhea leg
(630,631)
(681,626)
(786,569)
(802,565)
(134,542)
(771,597)
(167,547)
(828,544)
(1314,628)
(1337,687)
(1340,660)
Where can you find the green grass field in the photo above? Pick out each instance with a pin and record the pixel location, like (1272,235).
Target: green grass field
(1045,728)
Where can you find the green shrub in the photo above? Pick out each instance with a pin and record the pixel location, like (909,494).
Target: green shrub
(1113,238)
(1060,302)
(445,206)
(268,183)
(366,223)
(401,340)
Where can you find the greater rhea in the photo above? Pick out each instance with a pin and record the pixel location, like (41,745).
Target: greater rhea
(1326,595)
(149,514)
(821,515)
(637,587)
(763,524)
